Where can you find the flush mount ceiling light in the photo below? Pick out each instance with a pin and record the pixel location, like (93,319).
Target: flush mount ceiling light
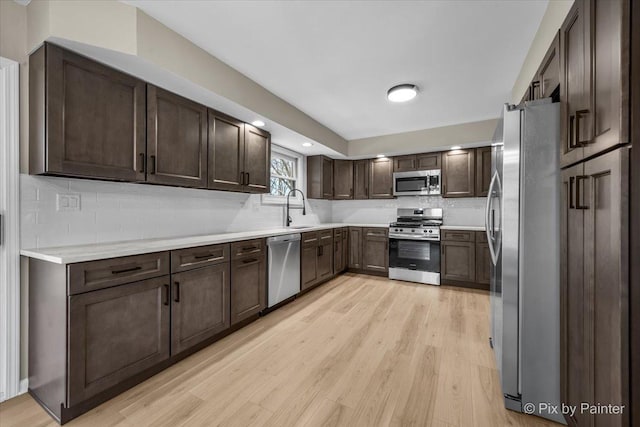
(402,93)
(307,144)
(258,123)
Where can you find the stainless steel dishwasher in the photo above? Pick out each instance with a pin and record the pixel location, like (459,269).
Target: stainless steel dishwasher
(284,267)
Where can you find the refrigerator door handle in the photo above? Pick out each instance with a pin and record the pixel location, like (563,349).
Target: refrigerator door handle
(489,224)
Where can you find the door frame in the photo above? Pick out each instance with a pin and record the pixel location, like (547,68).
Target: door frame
(9,229)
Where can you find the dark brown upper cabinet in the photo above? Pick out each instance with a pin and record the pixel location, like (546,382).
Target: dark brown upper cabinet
(483,171)
(239,155)
(459,173)
(342,179)
(257,159)
(548,75)
(416,162)
(360,179)
(575,72)
(381,178)
(226,152)
(86,119)
(176,140)
(319,177)
(610,75)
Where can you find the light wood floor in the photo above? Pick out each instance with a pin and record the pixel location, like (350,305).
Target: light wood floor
(357,351)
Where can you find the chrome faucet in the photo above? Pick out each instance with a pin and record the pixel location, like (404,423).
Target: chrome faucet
(304,210)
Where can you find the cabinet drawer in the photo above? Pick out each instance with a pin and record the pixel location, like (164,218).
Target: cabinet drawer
(310,239)
(459,235)
(187,259)
(481,237)
(325,235)
(246,248)
(376,232)
(93,275)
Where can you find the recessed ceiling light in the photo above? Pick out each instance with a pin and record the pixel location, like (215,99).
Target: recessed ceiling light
(402,93)
(307,144)
(258,123)
(380,156)
(456,147)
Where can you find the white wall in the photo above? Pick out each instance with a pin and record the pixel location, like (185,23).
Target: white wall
(467,211)
(112,211)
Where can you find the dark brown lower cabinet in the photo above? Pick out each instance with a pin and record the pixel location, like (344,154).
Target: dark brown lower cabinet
(325,255)
(355,248)
(595,286)
(375,250)
(465,259)
(483,263)
(309,260)
(200,305)
(317,258)
(116,333)
(458,261)
(248,287)
(338,258)
(341,254)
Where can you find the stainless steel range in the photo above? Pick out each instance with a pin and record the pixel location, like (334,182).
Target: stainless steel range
(414,246)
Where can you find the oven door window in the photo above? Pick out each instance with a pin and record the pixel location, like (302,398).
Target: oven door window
(418,183)
(414,255)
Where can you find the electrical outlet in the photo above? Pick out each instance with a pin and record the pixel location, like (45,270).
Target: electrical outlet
(67,202)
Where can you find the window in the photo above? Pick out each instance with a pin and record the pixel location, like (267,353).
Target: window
(286,175)
(283,174)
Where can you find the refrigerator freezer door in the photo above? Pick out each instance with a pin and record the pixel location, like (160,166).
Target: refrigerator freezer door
(509,300)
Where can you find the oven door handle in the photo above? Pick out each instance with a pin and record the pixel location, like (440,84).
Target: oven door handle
(421,239)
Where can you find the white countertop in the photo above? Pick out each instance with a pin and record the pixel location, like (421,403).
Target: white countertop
(462,227)
(92,252)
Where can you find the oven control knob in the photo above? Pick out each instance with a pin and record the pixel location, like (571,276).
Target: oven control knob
(413,231)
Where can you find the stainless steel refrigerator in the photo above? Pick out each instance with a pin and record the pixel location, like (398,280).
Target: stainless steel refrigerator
(523,230)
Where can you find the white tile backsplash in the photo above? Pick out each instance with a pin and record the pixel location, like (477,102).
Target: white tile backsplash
(463,211)
(112,211)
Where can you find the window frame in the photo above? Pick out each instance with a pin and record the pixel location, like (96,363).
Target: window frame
(301,163)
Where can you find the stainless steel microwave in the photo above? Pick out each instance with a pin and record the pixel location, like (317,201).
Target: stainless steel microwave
(416,183)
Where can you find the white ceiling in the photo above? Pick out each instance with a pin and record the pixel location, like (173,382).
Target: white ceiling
(335,60)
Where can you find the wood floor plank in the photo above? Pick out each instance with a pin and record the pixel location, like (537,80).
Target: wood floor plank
(356,351)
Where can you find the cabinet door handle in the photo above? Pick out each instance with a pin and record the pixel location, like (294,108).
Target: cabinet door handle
(579,115)
(248,178)
(532,88)
(242,178)
(580,192)
(142,159)
(571,193)
(250,261)
(166,294)
(153,165)
(126,270)
(176,297)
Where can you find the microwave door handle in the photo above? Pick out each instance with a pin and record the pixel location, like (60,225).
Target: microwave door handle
(488,223)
